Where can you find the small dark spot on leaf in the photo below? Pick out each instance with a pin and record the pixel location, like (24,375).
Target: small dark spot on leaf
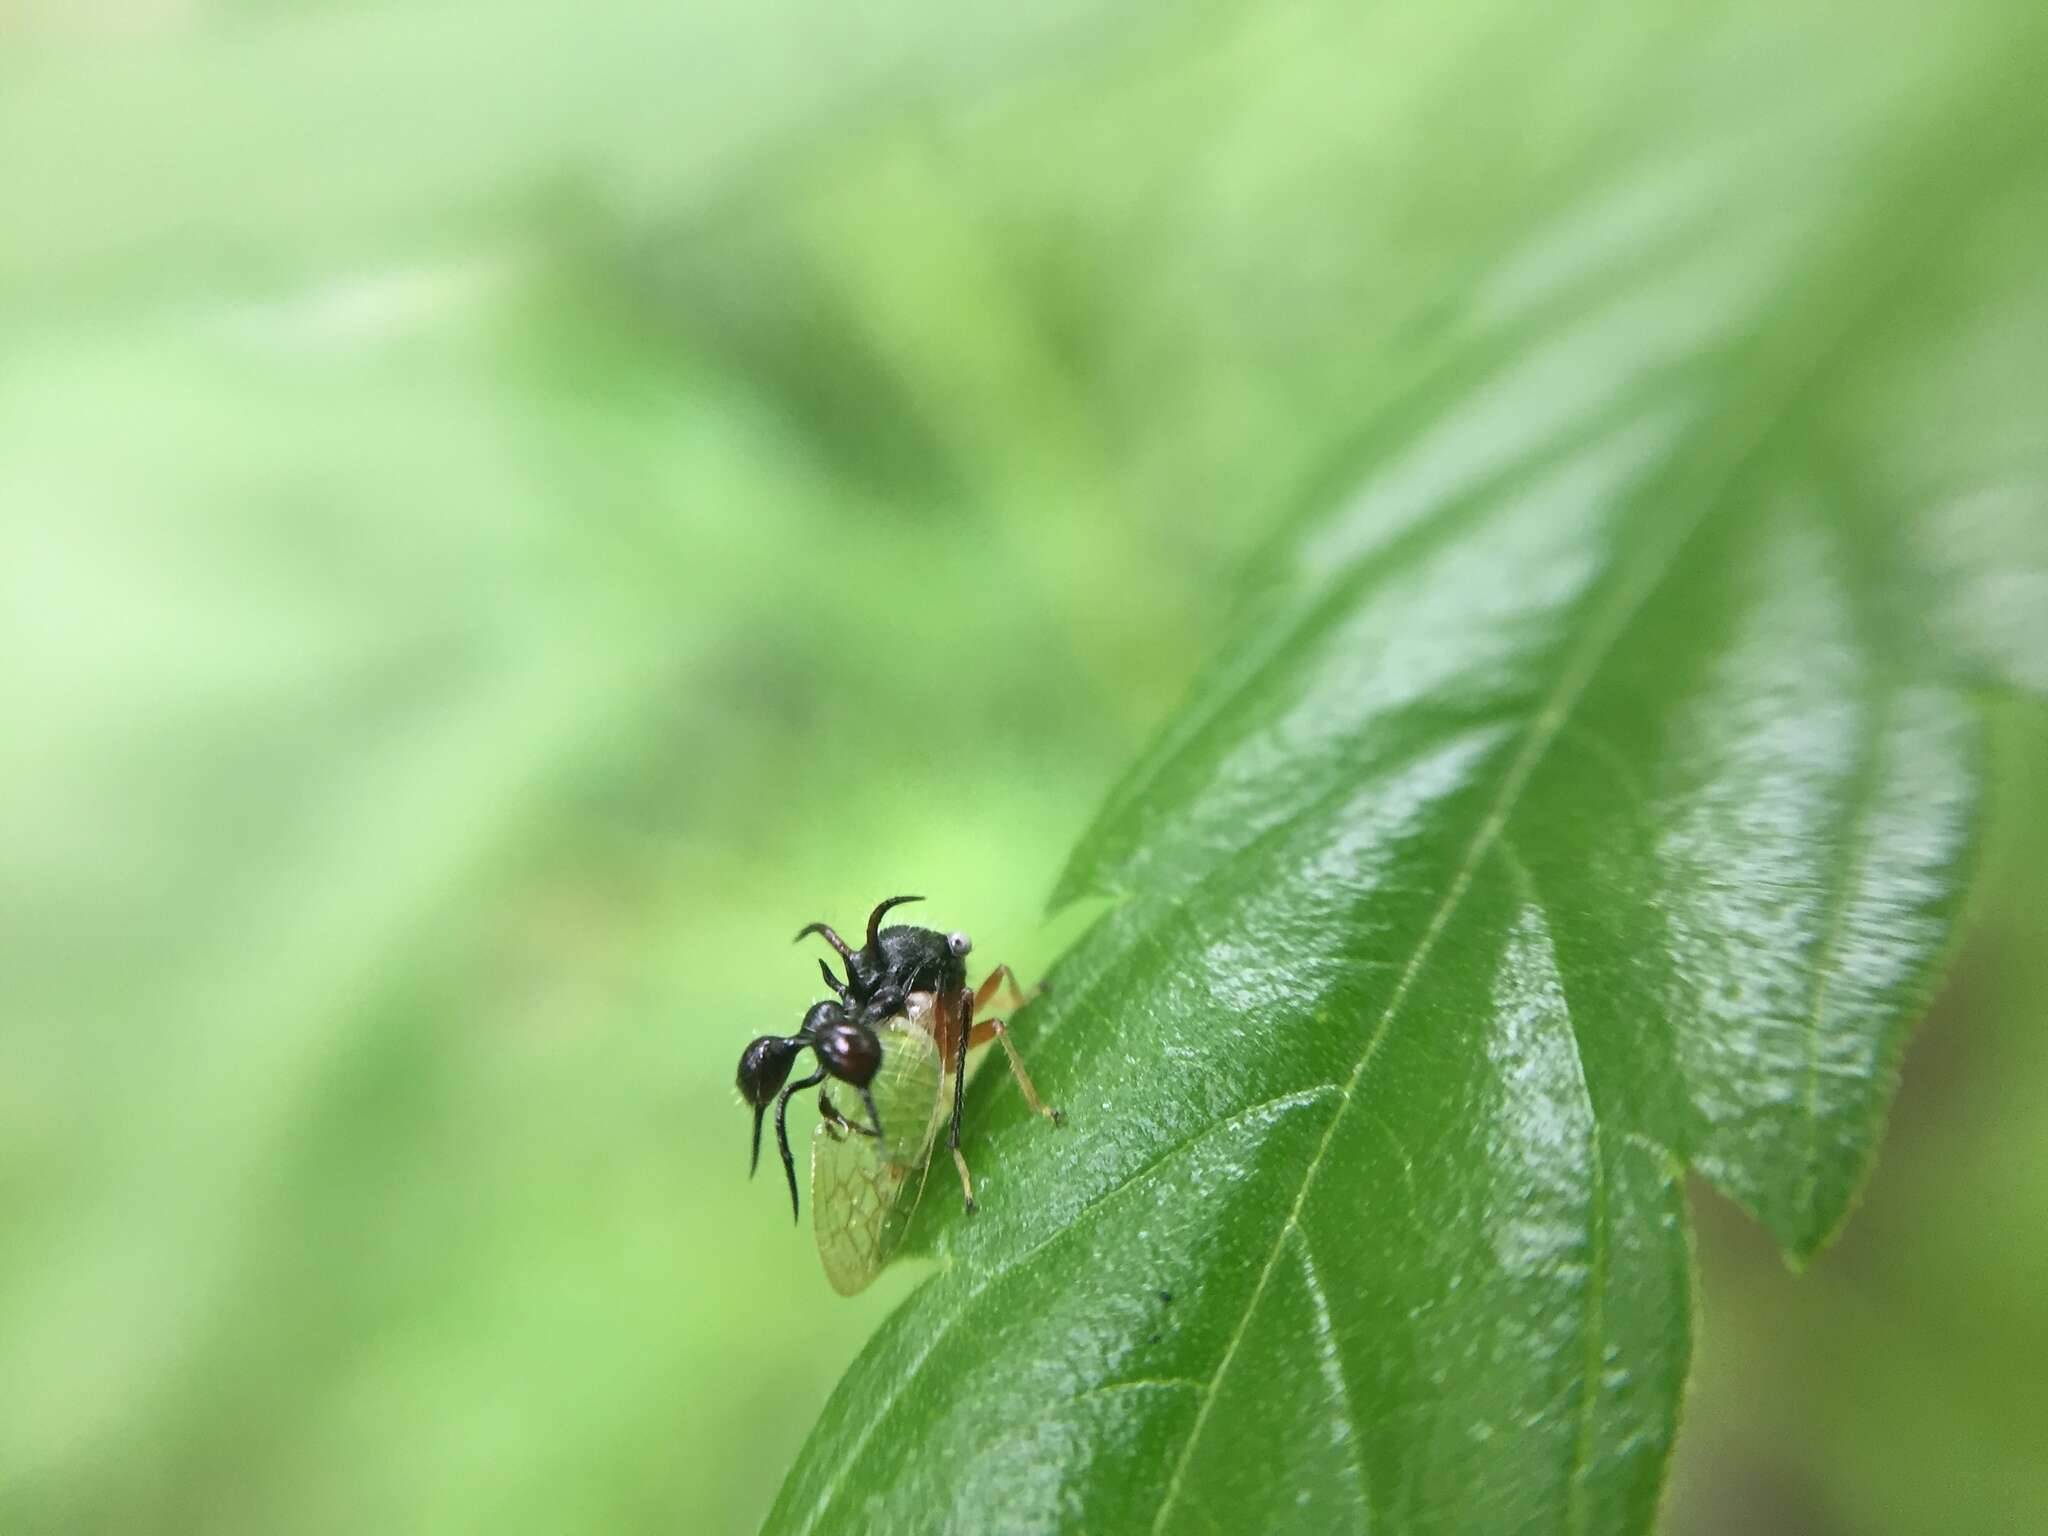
(1166,1298)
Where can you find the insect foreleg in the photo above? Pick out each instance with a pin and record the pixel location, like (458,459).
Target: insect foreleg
(839,1125)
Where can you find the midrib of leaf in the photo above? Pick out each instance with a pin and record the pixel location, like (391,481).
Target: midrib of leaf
(1340,593)
(1605,629)
(1621,608)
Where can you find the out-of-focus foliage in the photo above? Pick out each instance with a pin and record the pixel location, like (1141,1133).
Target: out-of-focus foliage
(445,661)
(508,509)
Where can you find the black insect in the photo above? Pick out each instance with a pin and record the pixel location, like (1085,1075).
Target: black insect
(894,963)
(844,1048)
(895,966)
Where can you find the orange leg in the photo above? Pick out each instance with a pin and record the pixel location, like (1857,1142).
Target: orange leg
(985,993)
(957,1034)
(992,1029)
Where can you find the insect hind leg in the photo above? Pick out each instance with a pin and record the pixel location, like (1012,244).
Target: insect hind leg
(993,1029)
(995,980)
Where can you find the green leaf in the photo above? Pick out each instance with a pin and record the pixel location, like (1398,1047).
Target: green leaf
(1588,795)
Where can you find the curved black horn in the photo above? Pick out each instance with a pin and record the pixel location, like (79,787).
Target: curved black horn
(875,918)
(830,937)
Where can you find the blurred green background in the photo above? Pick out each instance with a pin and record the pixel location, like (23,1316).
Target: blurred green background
(512,508)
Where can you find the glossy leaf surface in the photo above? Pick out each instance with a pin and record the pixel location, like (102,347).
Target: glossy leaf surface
(1588,794)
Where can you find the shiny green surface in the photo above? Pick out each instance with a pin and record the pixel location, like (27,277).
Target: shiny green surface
(508,509)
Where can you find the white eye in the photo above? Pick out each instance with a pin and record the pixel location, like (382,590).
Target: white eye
(959,944)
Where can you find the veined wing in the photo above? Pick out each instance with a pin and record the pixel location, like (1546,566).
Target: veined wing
(863,1190)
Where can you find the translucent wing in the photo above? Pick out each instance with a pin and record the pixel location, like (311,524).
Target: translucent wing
(863,1190)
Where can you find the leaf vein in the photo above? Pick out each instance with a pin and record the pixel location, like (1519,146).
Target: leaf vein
(1840,898)
(937,1335)
(1333,1359)
(1597,1239)
(1596,1325)
(1573,680)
